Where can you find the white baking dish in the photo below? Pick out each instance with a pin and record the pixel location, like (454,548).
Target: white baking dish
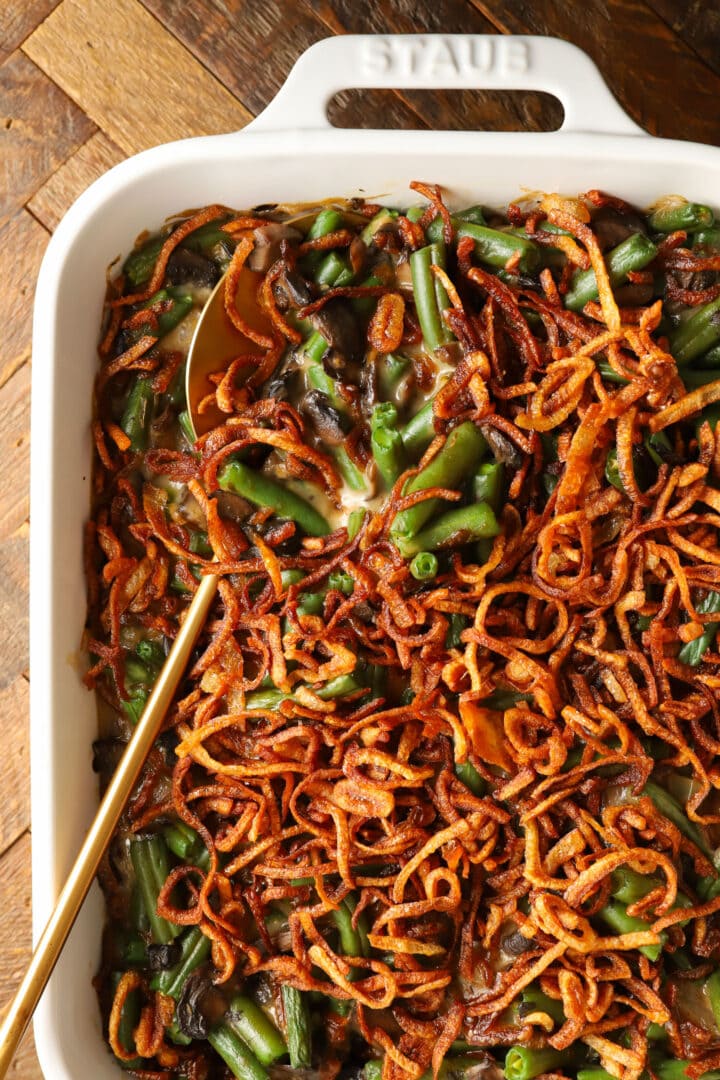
(289,153)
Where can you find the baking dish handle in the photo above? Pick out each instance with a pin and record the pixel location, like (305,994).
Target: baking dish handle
(445,61)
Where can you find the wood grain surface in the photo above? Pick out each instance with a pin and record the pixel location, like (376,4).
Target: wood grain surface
(83,83)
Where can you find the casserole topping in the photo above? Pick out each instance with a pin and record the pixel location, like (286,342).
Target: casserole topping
(439,792)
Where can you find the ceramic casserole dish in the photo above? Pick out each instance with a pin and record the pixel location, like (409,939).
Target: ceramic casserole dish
(289,153)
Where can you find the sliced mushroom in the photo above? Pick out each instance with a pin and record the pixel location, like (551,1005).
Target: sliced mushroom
(267,244)
(611,226)
(201,1005)
(503,449)
(326,419)
(291,290)
(338,324)
(190,268)
(162,957)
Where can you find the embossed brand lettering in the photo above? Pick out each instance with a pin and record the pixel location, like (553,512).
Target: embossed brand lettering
(443,57)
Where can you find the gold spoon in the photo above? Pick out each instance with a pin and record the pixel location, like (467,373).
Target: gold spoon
(215,342)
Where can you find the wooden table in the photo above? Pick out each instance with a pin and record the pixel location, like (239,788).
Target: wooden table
(85,83)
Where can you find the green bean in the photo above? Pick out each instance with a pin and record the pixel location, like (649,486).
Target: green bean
(688,216)
(470,777)
(326,221)
(430,297)
(488,484)
(388,454)
(460,526)
(612,472)
(424,566)
(692,652)
(181,839)
(524,1063)
(675,1070)
(342,582)
(533,999)
(634,253)
(712,993)
(195,950)
(315,348)
(693,378)
(419,431)
(139,265)
(710,359)
(415,213)
(501,699)
(707,240)
(262,491)
(180,304)
(384,415)
(333,270)
(610,374)
(391,370)
(457,623)
(136,418)
(134,706)
(340,686)
(697,334)
(129,1019)
(657,1032)
(617,918)
(256,1028)
(472,214)
(594,1074)
(355,522)
(186,426)
(150,862)
(673,811)
(353,942)
(351,473)
(127,947)
(297,1027)
(236,1054)
(497,248)
(376,224)
(628,887)
(458,458)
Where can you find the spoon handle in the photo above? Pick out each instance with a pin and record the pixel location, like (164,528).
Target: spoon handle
(80,878)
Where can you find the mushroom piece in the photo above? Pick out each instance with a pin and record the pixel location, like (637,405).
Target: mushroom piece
(267,244)
(337,323)
(190,268)
(291,289)
(325,418)
(162,957)
(503,449)
(200,1006)
(612,226)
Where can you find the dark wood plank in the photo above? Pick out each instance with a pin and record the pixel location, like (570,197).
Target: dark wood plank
(662,84)
(697,23)
(30,104)
(18,18)
(252,51)
(457,110)
(15,953)
(20,234)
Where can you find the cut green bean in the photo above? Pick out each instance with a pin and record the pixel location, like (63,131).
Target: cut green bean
(698,333)
(419,431)
(707,240)
(355,522)
(495,248)
(384,415)
(195,950)
(262,491)
(150,862)
(139,265)
(255,1027)
(524,1063)
(136,418)
(634,253)
(236,1054)
(673,811)
(430,300)
(461,526)
(458,458)
(333,270)
(470,777)
(388,453)
(692,652)
(710,360)
(180,303)
(688,216)
(533,999)
(457,623)
(297,1027)
(488,484)
(391,369)
(327,220)
(617,918)
(424,566)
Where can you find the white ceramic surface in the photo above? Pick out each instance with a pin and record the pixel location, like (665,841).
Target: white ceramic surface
(289,153)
